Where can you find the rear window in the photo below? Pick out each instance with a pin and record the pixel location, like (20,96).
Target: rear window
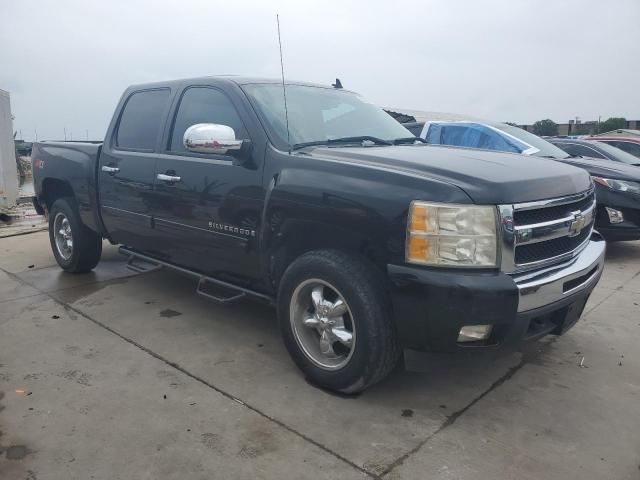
(141,119)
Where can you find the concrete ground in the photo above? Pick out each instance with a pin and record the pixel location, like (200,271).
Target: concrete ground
(115,375)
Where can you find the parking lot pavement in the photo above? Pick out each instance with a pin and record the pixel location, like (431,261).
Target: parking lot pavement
(135,376)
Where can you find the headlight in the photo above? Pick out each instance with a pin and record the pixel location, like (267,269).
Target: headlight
(618,185)
(451,235)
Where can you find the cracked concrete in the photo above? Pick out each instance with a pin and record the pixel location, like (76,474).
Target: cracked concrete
(120,388)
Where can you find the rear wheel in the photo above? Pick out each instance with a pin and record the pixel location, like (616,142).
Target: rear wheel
(75,247)
(336,321)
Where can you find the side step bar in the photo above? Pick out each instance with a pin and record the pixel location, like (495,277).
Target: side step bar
(239,292)
(131,265)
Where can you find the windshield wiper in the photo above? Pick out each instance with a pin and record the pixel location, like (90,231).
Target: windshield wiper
(399,141)
(297,146)
(360,139)
(332,141)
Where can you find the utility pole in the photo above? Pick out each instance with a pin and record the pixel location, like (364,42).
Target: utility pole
(65,133)
(87,134)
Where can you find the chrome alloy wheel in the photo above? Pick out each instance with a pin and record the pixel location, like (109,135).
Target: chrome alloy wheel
(62,235)
(322,324)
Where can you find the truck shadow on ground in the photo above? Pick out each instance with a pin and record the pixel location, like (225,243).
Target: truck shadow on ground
(236,342)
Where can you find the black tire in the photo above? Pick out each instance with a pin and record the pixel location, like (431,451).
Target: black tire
(375,348)
(87,244)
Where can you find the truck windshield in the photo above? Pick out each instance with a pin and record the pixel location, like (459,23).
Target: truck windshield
(319,115)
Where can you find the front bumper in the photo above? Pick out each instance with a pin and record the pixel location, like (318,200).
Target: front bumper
(430,306)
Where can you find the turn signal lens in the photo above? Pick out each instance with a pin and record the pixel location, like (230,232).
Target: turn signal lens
(418,247)
(450,235)
(418,220)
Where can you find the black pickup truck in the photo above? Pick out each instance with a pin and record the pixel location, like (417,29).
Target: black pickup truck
(365,239)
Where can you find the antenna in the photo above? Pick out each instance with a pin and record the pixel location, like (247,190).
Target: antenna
(284,90)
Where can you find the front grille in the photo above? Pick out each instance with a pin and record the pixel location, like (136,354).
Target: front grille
(539,215)
(536,252)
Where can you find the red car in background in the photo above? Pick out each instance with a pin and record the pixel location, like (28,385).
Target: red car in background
(624,139)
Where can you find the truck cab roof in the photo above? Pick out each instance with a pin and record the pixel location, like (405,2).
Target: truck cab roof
(228,79)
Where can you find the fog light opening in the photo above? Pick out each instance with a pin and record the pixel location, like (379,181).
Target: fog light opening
(474,333)
(615,216)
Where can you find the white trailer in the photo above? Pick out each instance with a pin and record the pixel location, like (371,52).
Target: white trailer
(8,168)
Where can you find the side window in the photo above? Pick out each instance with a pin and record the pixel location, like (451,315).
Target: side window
(590,152)
(463,136)
(433,134)
(446,134)
(579,150)
(570,148)
(472,135)
(204,105)
(629,147)
(141,119)
(453,134)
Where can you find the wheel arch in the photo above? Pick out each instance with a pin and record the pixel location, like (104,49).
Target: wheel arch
(53,189)
(304,236)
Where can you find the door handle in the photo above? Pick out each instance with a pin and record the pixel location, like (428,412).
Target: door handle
(168,178)
(110,170)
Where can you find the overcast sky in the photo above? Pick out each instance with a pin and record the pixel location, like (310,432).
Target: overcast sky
(66,62)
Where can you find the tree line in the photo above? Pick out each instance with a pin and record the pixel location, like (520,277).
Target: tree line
(549,128)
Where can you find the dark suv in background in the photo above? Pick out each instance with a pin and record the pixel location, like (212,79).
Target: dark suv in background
(626,140)
(579,147)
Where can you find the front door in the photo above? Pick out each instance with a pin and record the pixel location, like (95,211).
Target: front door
(127,169)
(207,210)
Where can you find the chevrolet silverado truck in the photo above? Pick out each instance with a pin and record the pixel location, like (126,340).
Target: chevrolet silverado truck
(308,198)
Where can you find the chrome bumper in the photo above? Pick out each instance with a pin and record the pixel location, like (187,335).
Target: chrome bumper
(543,287)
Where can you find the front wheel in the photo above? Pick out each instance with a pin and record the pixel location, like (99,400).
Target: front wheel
(75,247)
(335,318)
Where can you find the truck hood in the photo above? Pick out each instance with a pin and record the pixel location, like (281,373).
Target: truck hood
(487,177)
(606,168)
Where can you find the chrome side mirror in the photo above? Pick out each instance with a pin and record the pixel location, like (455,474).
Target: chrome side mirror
(210,138)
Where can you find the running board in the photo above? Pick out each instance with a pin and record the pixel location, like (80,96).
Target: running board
(131,265)
(218,299)
(239,292)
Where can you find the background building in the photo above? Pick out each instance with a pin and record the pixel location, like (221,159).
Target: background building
(577,127)
(8,169)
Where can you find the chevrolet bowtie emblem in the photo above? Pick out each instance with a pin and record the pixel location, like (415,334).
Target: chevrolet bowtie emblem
(577,224)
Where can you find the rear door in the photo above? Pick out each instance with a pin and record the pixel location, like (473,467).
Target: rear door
(127,168)
(207,220)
